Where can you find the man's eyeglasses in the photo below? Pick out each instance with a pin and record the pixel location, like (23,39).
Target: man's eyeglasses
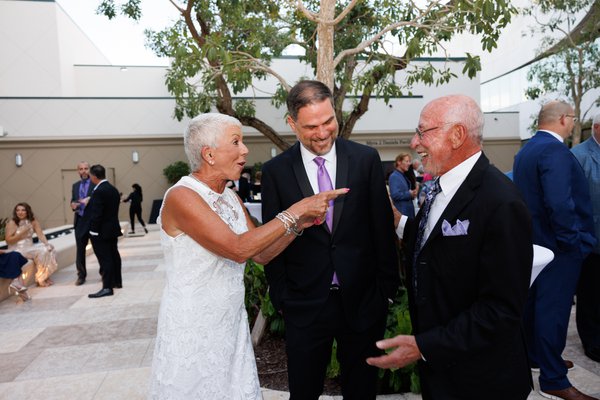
(575,119)
(420,133)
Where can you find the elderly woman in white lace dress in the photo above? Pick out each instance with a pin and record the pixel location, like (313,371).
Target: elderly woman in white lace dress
(19,236)
(203,347)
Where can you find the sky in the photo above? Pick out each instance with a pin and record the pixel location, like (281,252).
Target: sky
(121,40)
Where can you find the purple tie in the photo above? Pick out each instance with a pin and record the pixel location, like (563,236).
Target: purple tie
(324,185)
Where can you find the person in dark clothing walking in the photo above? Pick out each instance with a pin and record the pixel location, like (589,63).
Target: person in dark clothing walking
(135,207)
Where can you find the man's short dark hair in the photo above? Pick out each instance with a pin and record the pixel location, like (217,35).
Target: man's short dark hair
(98,171)
(304,93)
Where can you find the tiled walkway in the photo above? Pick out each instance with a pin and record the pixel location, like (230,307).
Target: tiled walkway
(64,346)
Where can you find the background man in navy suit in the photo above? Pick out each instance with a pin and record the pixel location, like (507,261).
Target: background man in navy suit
(557,195)
(468,281)
(80,196)
(331,282)
(105,230)
(588,295)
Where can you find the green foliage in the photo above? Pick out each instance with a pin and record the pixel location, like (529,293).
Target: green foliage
(216,50)
(398,323)
(175,171)
(257,297)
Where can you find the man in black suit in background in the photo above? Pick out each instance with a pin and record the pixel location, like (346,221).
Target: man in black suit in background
(105,230)
(334,281)
(80,196)
(470,254)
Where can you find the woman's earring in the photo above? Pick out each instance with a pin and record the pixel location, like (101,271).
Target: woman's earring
(211,162)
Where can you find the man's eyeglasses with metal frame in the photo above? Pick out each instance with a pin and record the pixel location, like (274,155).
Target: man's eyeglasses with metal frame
(421,133)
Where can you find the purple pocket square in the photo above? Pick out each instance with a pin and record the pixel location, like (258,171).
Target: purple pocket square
(460,229)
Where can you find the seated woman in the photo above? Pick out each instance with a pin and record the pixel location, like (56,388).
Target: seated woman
(19,236)
(11,263)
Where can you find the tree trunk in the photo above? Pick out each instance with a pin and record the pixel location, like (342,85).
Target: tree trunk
(325,31)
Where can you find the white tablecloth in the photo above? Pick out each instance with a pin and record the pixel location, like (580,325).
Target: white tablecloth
(255,210)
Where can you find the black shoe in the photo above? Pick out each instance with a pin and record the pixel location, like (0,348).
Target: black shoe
(79,281)
(145,230)
(101,293)
(131,233)
(593,353)
(118,287)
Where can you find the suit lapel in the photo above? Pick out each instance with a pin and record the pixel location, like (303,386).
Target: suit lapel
(462,197)
(300,172)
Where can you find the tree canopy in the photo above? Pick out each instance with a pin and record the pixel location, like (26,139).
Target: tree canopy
(219,48)
(569,60)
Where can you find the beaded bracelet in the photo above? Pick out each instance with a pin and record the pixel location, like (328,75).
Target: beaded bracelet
(290,222)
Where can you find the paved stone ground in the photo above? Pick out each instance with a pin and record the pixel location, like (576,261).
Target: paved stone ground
(64,346)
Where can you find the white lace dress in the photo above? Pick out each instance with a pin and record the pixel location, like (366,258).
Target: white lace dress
(203,347)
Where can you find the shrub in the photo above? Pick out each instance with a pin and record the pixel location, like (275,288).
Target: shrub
(173,172)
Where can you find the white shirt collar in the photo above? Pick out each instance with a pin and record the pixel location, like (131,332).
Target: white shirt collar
(556,135)
(100,183)
(308,157)
(311,167)
(451,180)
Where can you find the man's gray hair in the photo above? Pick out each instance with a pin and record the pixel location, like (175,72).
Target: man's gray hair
(204,130)
(465,110)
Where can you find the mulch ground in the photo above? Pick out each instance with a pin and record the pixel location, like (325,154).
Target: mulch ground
(272,366)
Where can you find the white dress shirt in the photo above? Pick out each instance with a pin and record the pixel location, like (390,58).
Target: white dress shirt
(449,183)
(311,167)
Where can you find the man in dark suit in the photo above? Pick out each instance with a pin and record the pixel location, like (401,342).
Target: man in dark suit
(336,279)
(80,196)
(105,230)
(470,252)
(557,195)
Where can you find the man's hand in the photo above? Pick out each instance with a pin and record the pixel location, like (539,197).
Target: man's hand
(406,352)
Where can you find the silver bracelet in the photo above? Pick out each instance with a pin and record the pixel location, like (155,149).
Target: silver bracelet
(290,222)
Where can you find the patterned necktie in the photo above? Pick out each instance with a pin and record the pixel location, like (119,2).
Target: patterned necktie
(422,224)
(325,184)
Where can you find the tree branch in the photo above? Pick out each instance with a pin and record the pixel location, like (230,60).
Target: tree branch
(260,66)
(366,43)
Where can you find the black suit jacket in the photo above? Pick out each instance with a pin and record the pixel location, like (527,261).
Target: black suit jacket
(81,223)
(471,291)
(361,248)
(103,210)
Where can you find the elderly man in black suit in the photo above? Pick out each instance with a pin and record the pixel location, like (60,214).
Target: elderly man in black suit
(470,254)
(80,196)
(105,230)
(335,280)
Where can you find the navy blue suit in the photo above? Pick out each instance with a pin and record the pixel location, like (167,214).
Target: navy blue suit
(556,192)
